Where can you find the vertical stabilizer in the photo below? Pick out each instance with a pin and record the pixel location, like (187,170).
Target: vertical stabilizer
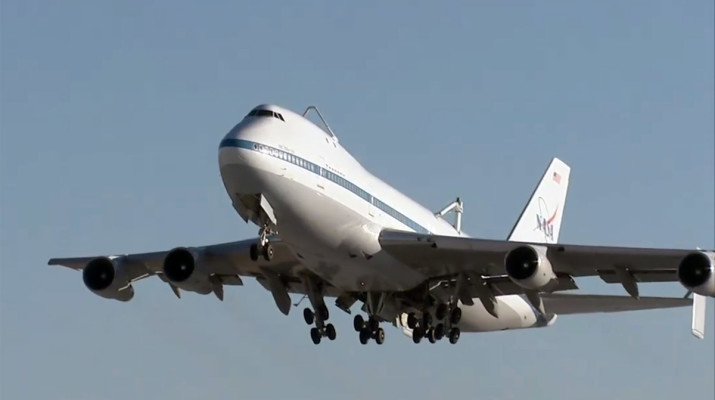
(540,221)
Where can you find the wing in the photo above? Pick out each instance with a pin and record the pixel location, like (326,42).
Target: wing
(212,267)
(444,256)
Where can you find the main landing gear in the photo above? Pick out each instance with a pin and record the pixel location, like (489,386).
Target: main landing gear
(443,324)
(263,247)
(321,329)
(369,329)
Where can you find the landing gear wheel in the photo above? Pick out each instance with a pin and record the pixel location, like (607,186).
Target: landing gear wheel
(431,337)
(417,335)
(268,252)
(253,252)
(315,335)
(373,324)
(441,312)
(439,332)
(454,335)
(358,323)
(427,320)
(330,331)
(380,336)
(323,312)
(455,316)
(364,336)
(308,316)
(411,320)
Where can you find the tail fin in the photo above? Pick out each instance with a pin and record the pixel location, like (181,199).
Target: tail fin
(540,221)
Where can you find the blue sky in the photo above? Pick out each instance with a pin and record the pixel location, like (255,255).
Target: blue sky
(111,117)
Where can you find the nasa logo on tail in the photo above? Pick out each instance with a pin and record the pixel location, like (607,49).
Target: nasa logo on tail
(545,220)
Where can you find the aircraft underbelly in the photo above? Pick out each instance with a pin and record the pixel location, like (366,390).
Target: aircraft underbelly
(334,240)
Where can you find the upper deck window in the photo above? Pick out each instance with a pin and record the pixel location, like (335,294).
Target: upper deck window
(265,113)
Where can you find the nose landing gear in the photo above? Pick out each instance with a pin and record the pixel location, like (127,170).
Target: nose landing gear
(263,247)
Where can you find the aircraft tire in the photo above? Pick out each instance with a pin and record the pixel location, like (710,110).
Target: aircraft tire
(308,316)
(330,332)
(426,320)
(454,334)
(315,335)
(358,323)
(431,337)
(439,331)
(253,252)
(411,320)
(364,336)
(417,334)
(268,252)
(380,336)
(455,316)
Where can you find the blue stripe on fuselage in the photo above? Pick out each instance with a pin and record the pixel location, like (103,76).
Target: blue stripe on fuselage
(318,170)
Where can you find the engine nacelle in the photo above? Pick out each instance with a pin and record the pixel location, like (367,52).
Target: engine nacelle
(183,267)
(528,267)
(108,278)
(697,272)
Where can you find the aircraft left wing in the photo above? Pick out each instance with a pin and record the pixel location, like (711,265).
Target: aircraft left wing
(436,255)
(204,269)
(521,267)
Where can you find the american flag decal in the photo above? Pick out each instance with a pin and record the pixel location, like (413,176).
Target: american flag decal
(557,177)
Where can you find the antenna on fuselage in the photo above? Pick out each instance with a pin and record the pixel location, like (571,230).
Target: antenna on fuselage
(325,124)
(457,207)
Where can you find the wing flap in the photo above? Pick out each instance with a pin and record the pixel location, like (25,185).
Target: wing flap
(669,275)
(502,285)
(562,303)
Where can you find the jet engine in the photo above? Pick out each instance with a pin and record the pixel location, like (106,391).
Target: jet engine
(528,267)
(183,267)
(108,278)
(697,272)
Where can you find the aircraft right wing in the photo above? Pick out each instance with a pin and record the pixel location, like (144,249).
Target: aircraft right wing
(205,269)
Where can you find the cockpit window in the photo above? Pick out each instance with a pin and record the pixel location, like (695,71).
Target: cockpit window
(265,113)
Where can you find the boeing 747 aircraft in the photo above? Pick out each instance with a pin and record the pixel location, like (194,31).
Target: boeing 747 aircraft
(329,229)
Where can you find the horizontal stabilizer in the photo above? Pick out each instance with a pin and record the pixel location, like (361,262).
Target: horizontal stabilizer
(560,303)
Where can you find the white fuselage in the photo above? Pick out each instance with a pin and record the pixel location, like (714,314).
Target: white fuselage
(328,208)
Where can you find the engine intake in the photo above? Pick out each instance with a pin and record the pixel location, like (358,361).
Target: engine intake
(697,273)
(179,265)
(528,267)
(98,274)
(107,278)
(183,267)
